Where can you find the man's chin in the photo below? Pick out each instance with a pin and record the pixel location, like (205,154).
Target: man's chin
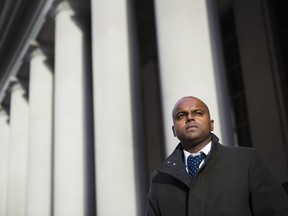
(193,141)
(192,145)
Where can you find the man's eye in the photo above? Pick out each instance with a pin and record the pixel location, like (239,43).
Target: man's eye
(198,113)
(180,116)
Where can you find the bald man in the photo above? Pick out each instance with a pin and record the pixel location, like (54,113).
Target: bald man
(204,178)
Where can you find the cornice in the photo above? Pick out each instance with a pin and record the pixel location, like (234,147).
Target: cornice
(27,27)
(7,18)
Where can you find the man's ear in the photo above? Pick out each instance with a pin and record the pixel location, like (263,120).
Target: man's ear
(173,129)
(212,124)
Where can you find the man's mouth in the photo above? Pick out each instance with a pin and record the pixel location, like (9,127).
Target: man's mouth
(191,127)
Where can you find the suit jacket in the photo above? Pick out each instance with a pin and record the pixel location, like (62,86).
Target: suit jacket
(232,181)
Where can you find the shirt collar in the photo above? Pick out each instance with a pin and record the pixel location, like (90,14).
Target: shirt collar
(204,150)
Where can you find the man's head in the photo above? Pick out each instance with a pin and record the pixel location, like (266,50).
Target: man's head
(191,123)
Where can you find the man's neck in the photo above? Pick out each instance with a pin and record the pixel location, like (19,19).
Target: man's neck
(194,148)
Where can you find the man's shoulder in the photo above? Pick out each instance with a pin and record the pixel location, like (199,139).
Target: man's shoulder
(217,146)
(236,150)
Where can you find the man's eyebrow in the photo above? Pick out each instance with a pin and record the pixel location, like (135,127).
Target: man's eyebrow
(199,109)
(179,111)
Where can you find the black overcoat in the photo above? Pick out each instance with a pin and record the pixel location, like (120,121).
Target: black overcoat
(233,181)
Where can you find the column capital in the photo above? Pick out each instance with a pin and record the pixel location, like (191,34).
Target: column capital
(40,49)
(17,84)
(3,111)
(77,7)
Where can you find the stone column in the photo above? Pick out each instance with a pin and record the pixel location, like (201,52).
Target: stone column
(17,176)
(4,158)
(260,70)
(114,151)
(185,55)
(40,135)
(73,165)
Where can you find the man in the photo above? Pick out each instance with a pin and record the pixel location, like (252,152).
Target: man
(231,181)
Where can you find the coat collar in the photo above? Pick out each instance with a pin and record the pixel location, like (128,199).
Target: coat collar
(174,164)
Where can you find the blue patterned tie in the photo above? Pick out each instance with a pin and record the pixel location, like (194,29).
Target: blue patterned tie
(193,163)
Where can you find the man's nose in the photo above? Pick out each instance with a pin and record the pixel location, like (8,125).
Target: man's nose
(190,117)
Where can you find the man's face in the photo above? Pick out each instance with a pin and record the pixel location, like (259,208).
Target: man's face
(192,123)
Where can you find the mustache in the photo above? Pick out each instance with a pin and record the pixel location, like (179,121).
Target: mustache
(192,125)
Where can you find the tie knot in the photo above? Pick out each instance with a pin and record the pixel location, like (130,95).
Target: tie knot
(193,163)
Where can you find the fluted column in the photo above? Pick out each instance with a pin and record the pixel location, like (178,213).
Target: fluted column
(4,158)
(74,170)
(185,54)
(40,135)
(113,109)
(17,177)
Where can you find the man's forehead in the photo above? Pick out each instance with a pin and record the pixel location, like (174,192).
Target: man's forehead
(190,103)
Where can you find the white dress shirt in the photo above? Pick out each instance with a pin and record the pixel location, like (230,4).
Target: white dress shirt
(204,150)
